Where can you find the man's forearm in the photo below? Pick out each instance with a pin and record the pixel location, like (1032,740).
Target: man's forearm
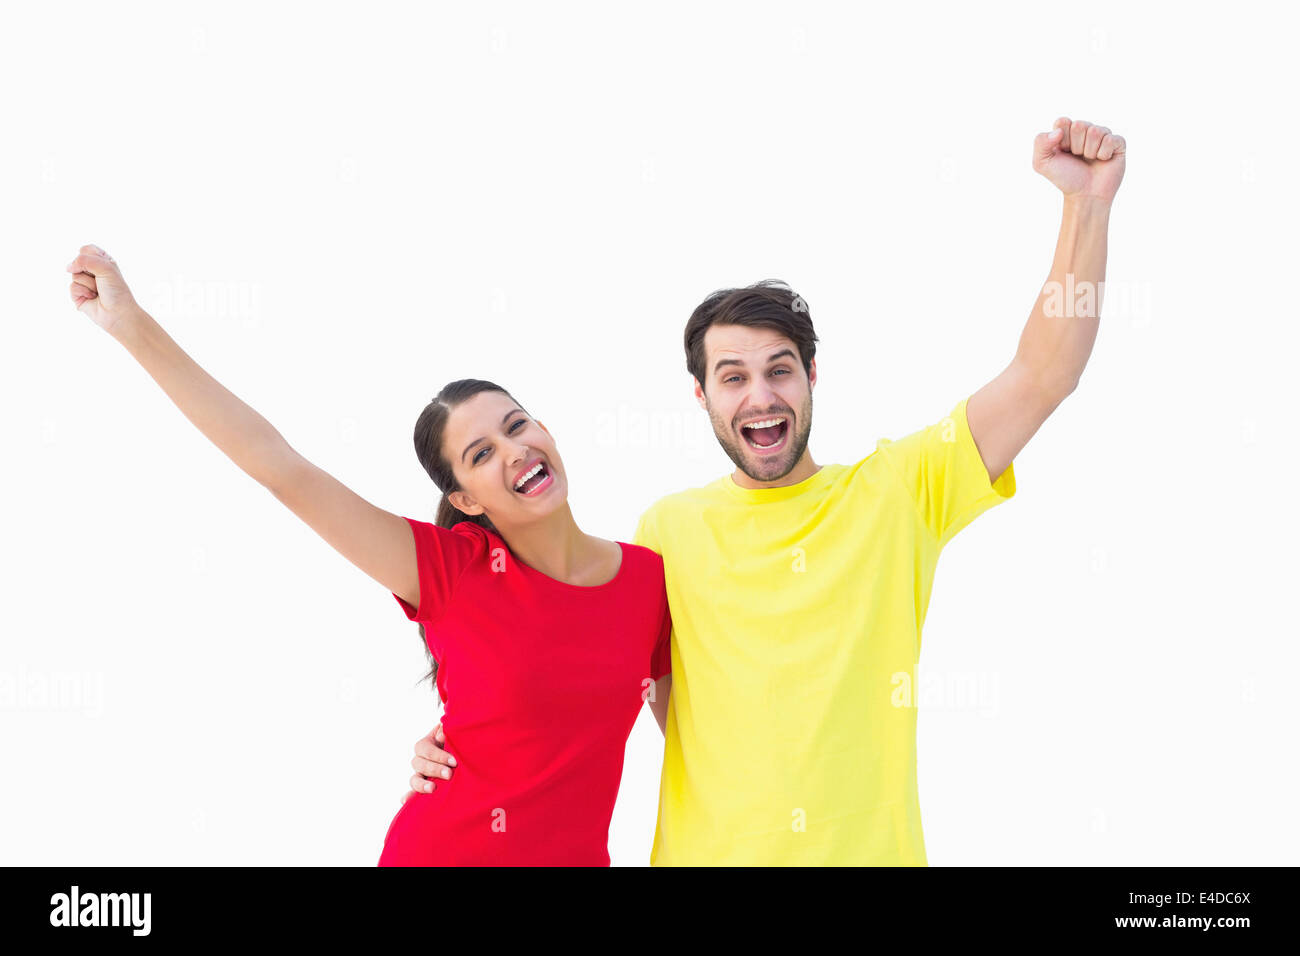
(1058,338)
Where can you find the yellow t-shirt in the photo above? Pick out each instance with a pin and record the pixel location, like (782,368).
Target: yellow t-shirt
(797,613)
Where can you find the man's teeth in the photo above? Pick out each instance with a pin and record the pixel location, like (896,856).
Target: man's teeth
(765,423)
(531,471)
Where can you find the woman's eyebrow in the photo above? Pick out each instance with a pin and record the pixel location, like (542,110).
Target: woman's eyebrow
(477,440)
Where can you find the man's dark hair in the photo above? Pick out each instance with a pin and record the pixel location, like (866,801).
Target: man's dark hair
(769,304)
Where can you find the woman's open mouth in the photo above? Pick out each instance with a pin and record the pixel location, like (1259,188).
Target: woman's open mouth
(534,481)
(766,435)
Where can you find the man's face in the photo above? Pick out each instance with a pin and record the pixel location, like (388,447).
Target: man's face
(758,398)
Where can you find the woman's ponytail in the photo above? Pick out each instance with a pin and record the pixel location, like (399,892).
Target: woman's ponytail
(429,429)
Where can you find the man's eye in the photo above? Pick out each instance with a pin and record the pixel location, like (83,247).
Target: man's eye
(729,378)
(786,370)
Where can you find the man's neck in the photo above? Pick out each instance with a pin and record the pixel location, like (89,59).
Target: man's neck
(802,471)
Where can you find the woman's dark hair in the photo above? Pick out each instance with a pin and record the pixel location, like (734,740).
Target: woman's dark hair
(769,304)
(429,429)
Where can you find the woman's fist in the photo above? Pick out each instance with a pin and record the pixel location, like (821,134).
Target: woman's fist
(98,289)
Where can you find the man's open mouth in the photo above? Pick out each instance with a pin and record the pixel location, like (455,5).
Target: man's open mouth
(533,480)
(766,434)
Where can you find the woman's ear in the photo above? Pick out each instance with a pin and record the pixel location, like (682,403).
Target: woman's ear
(464,503)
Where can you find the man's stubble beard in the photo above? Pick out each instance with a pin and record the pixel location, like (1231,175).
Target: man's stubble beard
(774,468)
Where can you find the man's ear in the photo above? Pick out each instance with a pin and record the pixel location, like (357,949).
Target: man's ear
(812,373)
(463,502)
(699,394)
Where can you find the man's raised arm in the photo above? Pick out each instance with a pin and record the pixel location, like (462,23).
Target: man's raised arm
(1086,162)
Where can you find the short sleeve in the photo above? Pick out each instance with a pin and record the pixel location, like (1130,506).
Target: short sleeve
(645,532)
(441,557)
(661,659)
(941,469)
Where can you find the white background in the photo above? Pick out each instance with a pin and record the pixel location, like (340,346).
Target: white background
(337,208)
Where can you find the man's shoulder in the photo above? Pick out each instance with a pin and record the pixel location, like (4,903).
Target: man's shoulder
(662,519)
(687,498)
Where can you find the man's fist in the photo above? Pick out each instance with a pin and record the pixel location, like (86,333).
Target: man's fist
(1080,159)
(430,761)
(98,289)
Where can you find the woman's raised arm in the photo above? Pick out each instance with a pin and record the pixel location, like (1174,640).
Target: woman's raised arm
(378,542)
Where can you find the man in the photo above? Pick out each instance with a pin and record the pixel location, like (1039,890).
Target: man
(798,591)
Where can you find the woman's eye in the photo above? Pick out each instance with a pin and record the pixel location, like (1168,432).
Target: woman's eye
(479,456)
(519,422)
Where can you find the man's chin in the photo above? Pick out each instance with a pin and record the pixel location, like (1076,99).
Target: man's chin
(767,470)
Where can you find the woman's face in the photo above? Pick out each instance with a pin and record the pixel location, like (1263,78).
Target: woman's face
(505,462)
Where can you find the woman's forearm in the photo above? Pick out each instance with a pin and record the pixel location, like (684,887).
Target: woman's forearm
(248,439)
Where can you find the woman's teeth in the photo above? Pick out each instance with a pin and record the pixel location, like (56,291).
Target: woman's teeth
(523,478)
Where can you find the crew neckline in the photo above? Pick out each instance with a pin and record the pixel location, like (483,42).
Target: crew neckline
(782,493)
(618,575)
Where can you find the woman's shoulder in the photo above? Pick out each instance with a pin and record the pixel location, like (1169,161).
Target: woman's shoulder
(464,540)
(483,540)
(644,560)
(640,552)
(643,578)
(471,529)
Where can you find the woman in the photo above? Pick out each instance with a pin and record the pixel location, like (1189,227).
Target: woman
(545,638)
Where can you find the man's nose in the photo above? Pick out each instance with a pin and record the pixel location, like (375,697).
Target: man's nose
(761,395)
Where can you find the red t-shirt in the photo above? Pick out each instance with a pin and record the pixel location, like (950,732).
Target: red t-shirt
(541,682)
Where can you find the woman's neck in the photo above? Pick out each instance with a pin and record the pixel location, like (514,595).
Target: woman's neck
(557,547)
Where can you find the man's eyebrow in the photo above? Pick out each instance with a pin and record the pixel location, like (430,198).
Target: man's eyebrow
(771,358)
(477,440)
